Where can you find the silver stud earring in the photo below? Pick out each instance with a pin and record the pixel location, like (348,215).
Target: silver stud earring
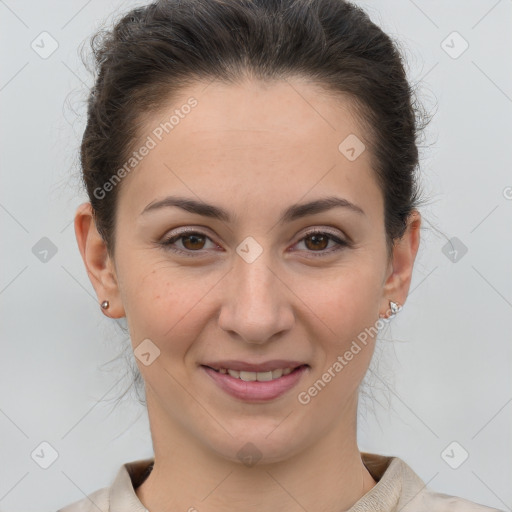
(395,308)
(105,304)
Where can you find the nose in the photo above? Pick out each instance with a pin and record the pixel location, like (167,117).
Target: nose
(256,303)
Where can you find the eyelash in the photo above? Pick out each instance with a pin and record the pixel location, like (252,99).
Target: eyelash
(167,243)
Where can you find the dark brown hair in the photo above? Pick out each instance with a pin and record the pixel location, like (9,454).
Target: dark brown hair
(154,51)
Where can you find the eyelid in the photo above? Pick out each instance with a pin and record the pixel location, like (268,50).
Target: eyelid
(324,229)
(182,232)
(341,241)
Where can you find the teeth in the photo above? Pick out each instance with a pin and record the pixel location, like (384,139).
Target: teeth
(264,376)
(259,376)
(277,373)
(249,376)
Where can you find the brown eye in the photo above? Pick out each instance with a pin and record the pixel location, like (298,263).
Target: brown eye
(192,242)
(318,241)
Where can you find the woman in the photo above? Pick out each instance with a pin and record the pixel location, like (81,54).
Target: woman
(251,169)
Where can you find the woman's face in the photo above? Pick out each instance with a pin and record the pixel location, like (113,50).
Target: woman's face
(256,285)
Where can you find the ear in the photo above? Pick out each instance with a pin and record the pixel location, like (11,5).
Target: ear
(100,267)
(399,273)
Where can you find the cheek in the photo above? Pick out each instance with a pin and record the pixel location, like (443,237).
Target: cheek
(349,313)
(347,301)
(163,306)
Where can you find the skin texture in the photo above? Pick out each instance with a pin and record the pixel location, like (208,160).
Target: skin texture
(253,149)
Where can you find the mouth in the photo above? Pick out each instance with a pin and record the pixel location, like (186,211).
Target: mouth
(256,386)
(252,376)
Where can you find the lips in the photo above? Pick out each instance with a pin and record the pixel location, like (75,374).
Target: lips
(244,366)
(248,386)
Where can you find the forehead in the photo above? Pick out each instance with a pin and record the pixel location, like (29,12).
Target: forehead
(290,108)
(278,139)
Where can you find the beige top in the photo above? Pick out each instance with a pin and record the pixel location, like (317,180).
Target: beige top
(398,489)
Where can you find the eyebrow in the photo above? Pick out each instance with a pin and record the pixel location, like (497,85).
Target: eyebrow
(292,213)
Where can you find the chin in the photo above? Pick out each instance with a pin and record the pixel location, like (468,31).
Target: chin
(256,444)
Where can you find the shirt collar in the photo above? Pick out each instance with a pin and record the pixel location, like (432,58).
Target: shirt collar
(397,488)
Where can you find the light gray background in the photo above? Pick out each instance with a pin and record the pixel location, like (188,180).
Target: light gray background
(444,371)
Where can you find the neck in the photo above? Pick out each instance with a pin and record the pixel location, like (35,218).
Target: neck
(327,476)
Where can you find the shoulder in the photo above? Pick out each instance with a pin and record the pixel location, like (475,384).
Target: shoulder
(95,502)
(431,501)
(120,496)
(400,488)
(418,497)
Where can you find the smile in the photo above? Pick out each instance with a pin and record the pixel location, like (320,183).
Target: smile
(255,386)
(256,376)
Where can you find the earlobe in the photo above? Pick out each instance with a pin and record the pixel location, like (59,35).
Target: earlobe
(98,264)
(401,266)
